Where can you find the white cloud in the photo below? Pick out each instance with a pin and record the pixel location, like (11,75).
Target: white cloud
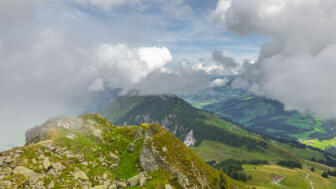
(155,57)
(297,67)
(123,66)
(97,85)
(218,82)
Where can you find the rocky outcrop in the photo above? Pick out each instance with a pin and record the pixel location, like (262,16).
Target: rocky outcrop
(154,156)
(189,140)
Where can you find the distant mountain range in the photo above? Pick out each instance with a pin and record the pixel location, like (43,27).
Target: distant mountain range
(214,139)
(264,115)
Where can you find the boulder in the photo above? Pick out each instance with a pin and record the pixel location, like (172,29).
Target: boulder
(143,180)
(122,184)
(46,163)
(51,185)
(58,167)
(97,133)
(147,160)
(114,165)
(8,159)
(139,133)
(114,157)
(113,186)
(105,176)
(167,186)
(52,172)
(134,181)
(80,175)
(25,171)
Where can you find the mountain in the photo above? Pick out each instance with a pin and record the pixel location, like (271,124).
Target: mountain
(263,115)
(90,152)
(189,124)
(217,140)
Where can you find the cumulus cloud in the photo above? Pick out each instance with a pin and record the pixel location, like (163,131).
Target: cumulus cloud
(218,65)
(297,65)
(122,66)
(219,82)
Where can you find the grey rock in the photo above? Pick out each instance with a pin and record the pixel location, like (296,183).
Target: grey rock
(58,167)
(139,133)
(134,181)
(46,163)
(97,133)
(167,186)
(114,157)
(80,175)
(25,171)
(52,172)
(34,161)
(113,186)
(40,185)
(105,176)
(114,165)
(51,185)
(122,184)
(143,180)
(147,160)
(8,159)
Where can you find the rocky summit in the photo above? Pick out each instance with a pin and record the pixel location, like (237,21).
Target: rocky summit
(90,152)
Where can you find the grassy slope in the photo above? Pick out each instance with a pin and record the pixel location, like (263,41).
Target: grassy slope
(114,139)
(322,144)
(212,149)
(262,177)
(261,114)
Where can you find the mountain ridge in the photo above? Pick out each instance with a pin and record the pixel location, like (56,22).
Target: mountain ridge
(91,152)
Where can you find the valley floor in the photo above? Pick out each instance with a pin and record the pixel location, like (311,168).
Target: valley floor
(263,178)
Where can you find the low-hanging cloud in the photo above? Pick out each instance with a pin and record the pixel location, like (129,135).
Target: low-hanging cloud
(51,68)
(297,66)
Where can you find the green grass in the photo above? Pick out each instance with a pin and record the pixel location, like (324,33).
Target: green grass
(129,163)
(262,177)
(210,150)
(320,144)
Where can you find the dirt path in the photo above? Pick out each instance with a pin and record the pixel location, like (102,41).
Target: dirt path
(311,183)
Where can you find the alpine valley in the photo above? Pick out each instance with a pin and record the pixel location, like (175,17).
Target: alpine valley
(265,116)
(252,158)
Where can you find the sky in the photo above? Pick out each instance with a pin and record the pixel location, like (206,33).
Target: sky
(55,53)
